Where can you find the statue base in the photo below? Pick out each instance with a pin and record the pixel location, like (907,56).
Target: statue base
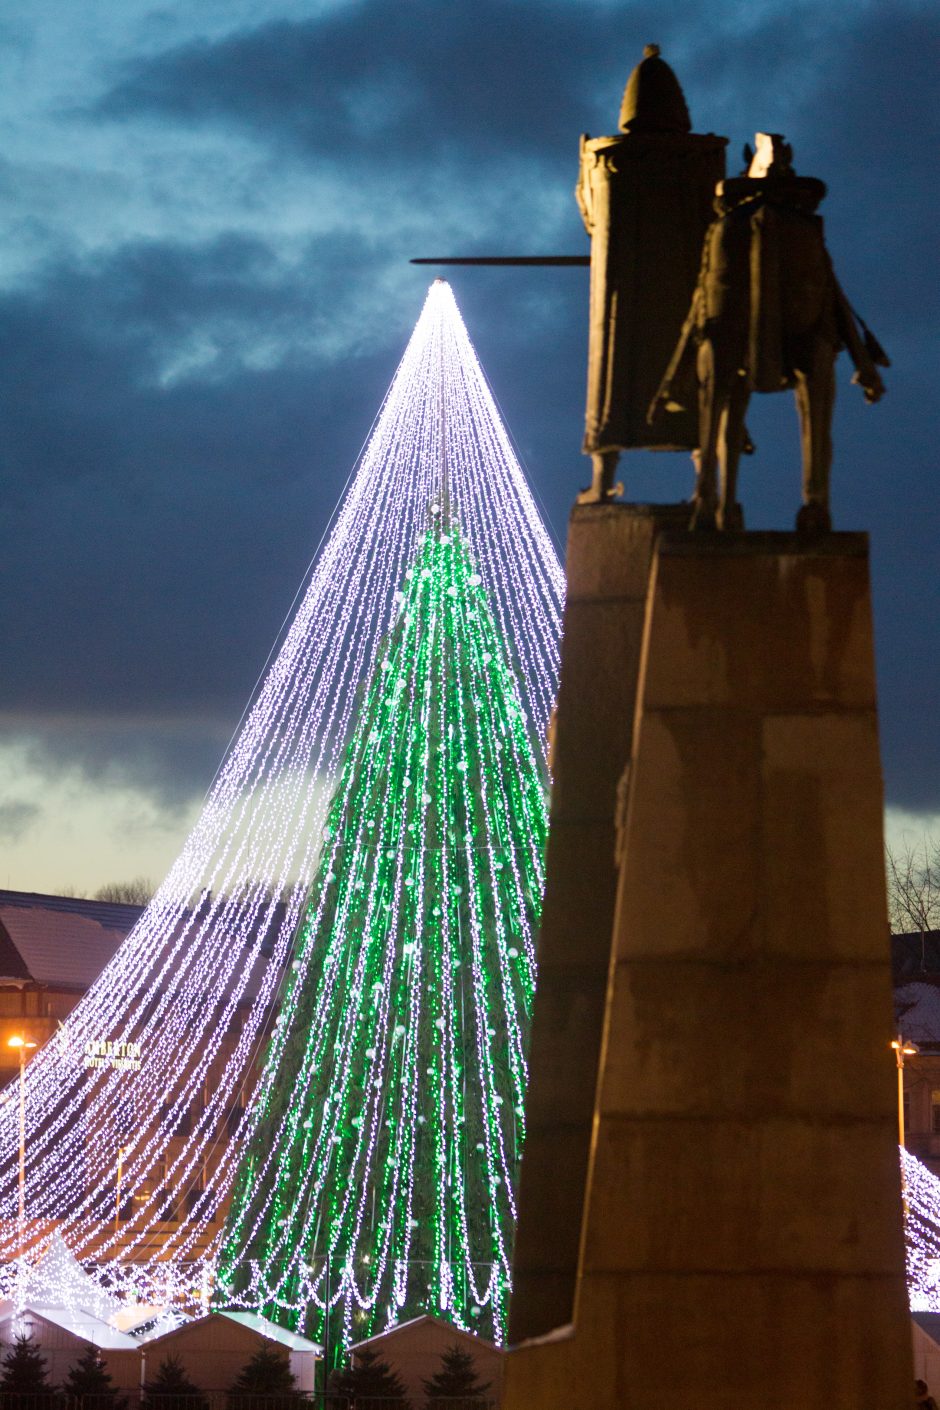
(741,1235)
(610,549)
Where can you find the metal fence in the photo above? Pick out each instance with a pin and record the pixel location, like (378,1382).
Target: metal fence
(227,1400)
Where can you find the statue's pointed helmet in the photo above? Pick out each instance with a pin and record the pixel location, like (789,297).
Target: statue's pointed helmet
(653,100)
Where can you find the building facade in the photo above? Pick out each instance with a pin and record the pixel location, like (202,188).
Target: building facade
(916,966)
(52,949)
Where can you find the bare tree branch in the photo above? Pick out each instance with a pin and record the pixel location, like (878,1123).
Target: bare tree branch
(913,875)
(130,893)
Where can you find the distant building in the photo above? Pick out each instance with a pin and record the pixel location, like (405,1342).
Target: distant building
(212,1350)
(927,1347)
(64,1335)
(52,949)
(915,961)
(414,1349)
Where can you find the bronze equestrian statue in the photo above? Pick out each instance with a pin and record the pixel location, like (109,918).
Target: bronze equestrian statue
(767,314)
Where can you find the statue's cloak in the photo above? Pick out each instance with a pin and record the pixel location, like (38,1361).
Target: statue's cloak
(766,295)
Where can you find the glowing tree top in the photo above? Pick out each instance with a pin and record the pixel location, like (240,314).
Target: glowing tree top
(380,1177)
(217,936)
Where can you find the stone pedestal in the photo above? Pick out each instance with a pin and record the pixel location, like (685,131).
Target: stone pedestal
(610,549)
(741,1236)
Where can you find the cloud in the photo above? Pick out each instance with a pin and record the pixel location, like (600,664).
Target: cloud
(409,109)
(206,292)
(88,831)
(169,761)
(909,830)
(382,81)
(162,514)
(16,818)
(160,520)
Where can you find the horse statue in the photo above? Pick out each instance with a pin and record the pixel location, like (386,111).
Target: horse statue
(767,314)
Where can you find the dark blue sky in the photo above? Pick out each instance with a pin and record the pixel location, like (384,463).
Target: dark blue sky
(204,291)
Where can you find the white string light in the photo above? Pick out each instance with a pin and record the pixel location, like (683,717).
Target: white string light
(206,957)
(922,1233)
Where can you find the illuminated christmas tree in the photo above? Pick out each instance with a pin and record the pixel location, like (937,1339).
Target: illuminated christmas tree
(380,1174)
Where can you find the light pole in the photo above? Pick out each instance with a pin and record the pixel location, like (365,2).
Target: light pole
(22,1044)
(117,1193)
(903,1048)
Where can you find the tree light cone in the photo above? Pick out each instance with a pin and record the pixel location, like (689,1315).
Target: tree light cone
(141,1078)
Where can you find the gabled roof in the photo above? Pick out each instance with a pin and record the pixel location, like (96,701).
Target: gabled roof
(929,1323)
(252,1321)
(60,941)
(272,1331)
(917,1011)
(84,1325)
(446,1327)
(65,942)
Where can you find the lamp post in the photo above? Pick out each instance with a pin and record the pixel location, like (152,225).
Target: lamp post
(903,1048)
(22,1044)
(117,1193)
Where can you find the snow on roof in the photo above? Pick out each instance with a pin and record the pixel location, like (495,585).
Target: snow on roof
(84,1325)
(65,942)
(272,1331)
(917,1007)
(60,941)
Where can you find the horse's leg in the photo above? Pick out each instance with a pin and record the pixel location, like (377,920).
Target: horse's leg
(730,443)
(815,398)
(602,488)
(710,400)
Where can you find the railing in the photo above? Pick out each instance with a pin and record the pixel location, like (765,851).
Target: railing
(53,1399)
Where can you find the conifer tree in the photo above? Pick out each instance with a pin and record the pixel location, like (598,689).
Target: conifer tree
(24,1379)
(368,1384)
(88,1385)
(171,1389)
(456,1384)
(266,1382)
(381,1174)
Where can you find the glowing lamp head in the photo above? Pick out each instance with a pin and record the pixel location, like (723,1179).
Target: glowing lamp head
(18,1041)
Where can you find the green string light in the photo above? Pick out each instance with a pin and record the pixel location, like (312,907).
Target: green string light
(380,1178)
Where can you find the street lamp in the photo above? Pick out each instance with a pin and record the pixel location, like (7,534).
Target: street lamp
(903,1048)
(22,1045)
